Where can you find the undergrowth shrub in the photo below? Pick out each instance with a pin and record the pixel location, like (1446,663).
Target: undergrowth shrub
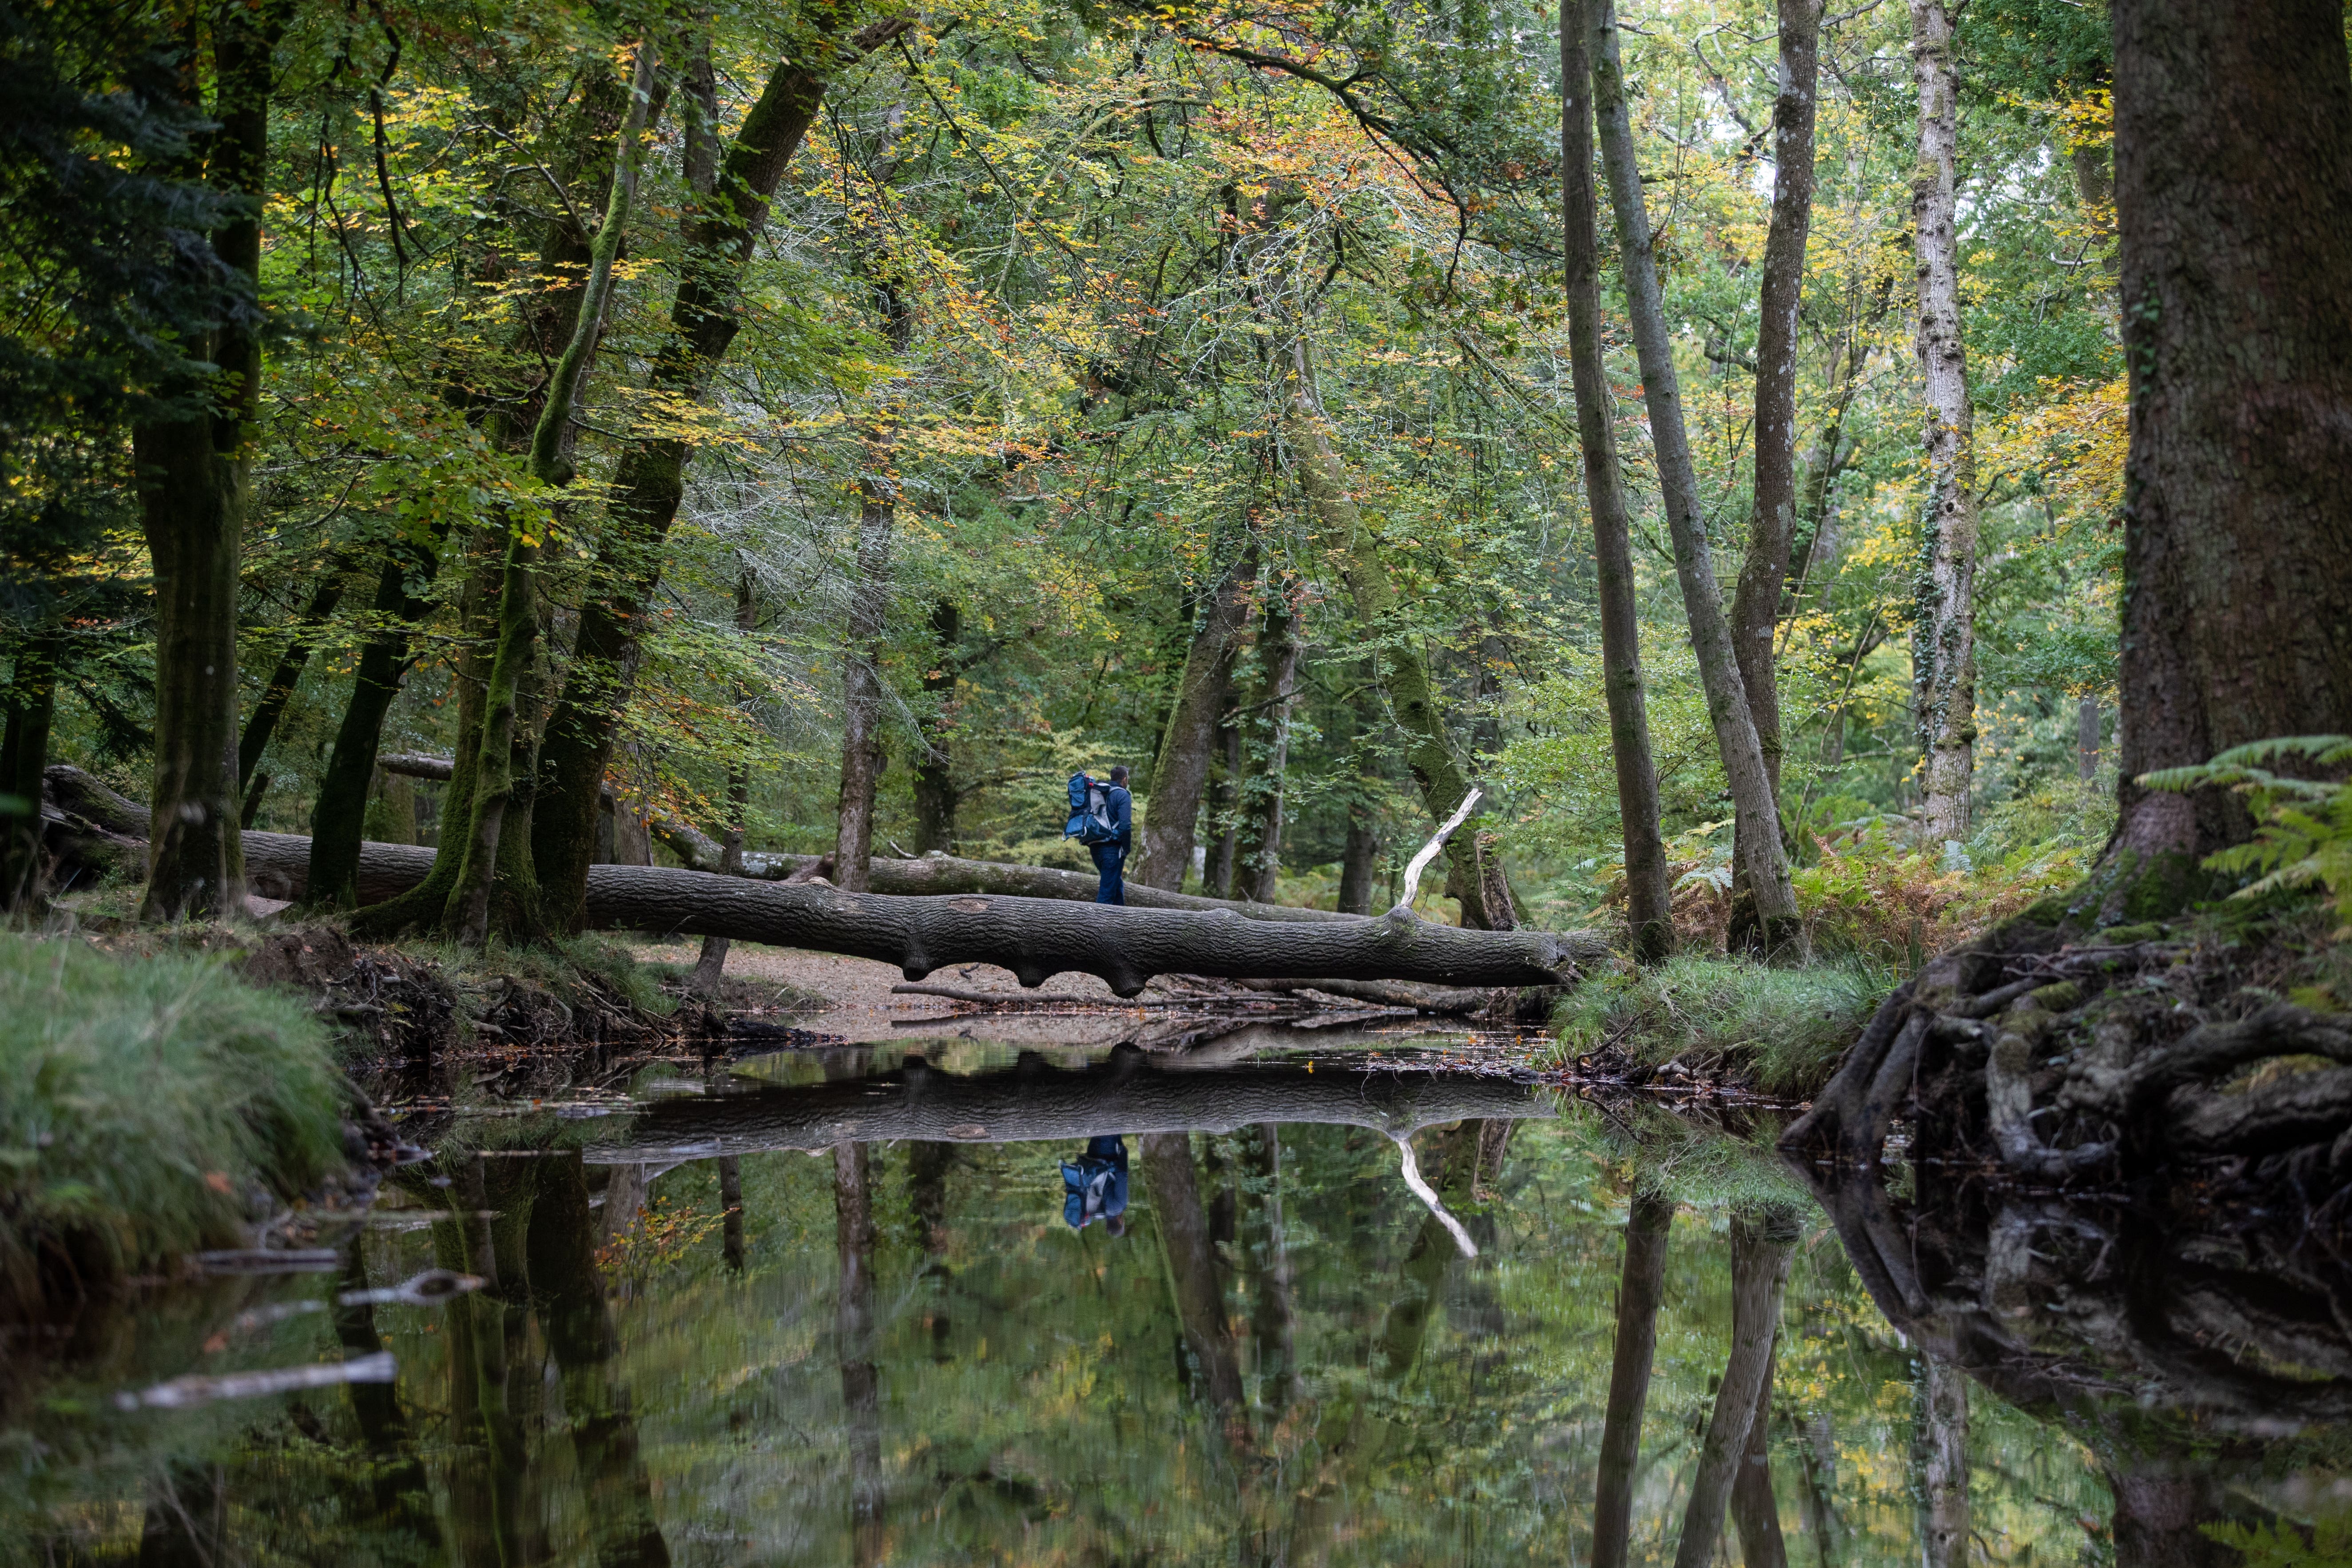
(150,1102)
(1783,1027)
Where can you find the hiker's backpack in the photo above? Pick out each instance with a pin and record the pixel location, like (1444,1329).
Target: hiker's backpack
(1090,822)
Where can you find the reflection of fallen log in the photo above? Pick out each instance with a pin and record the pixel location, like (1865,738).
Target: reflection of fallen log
(1033,938)
(1127,1093)
(916,877)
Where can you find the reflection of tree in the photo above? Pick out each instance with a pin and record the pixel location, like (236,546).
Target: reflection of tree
(1183,1226)
(1273,1322)
(928,1164)
(1639,1288)
(1760,1240)
(1943,1463)
(400,1494)
(852,1210)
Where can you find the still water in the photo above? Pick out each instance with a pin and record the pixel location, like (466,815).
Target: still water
(1261,1346)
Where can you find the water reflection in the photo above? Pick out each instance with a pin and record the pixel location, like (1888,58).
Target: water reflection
(843,1318)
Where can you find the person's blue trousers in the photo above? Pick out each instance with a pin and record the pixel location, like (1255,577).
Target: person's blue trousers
(1109,858)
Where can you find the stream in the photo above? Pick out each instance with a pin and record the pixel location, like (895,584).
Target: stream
(1358,1307)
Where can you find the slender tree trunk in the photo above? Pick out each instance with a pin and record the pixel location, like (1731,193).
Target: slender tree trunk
(712,963)
(1727,694)
(23,758)
(2233,196)
(1179,775)
(861,1384)
(1404,672)
(1755,1511)
(935,786)
(1649,911)
(861,728)
(1639,1286)
(1943,628)
(1943,1465)
(279,691)
(1224,809)
(1279,644)
(649,482)
(1772,520)
(2086,739)
(731,1206)
(1274,1320)
(1358,859)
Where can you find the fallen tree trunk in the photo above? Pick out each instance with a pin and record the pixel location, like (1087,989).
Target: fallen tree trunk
(1033,938)
(1127,1093)
(917,877)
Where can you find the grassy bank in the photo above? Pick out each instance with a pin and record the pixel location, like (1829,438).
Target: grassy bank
(154,1103)
(1783,1029)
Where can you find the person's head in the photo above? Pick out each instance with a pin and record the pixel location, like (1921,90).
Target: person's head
(1118,774)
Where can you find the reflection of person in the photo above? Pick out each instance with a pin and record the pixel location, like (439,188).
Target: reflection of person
(1110,885)
(1094,1185)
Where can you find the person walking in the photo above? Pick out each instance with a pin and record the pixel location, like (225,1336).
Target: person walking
(1110,859)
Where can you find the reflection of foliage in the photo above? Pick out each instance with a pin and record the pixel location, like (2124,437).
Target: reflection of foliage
(662,1236)
(2277,1543)
(1785,1027)
(2306,833)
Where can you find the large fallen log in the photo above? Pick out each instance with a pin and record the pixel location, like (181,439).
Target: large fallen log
(1035,937)
(914,877)
(1127,1093)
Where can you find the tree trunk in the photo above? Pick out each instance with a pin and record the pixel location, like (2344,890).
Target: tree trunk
(649,481)
(1943,629)
(856,1345)
(1726,695)
(1649,913)
(1128,1091)
(730,1210)
(712,963)
(1274,1319)
(2086,739)
(1224,809)
(1943,1465)
(935,787)
(1760,1244)
(1639,1286)
(861,726)
(1755,1511)
(24,763)
(279,691)
(2234,195)
(1278,645)
(1404,672)
(194,489)
(1772,518)
(1358,859)
(1176,1210)
(1179,775)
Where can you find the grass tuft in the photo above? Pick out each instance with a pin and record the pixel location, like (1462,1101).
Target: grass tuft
(1785,1029)
(150,1101)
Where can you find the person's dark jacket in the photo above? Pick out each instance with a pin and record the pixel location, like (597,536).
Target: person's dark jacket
(1122,814)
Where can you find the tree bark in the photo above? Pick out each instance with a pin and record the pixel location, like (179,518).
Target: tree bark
(1128,1091)
(1358,860)
(1760,1244)
(1772,517)
(935,786)
(1943,631)
(649,481)
(1278,647)
(1404,672)
(861,728)
(1649,913)
(2086,739)
(1639,1286)
(1726,695)
(1179,776)
(279,691)
(1944,1464)
(2233,196)
(712,963)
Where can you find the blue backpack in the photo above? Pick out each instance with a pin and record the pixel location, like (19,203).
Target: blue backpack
(1090,820)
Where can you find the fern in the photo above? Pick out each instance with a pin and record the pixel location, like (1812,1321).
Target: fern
(2304,837)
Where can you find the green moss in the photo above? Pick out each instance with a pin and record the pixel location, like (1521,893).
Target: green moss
(1783,1027)
(151,1101)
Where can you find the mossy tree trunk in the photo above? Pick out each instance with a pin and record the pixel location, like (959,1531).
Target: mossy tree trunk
(1753,806)
(32,706)
(1773,516)
(1649,901)
(1641,1285)
(1180,774)
(2233,199)
(649,481)
(1278,652)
